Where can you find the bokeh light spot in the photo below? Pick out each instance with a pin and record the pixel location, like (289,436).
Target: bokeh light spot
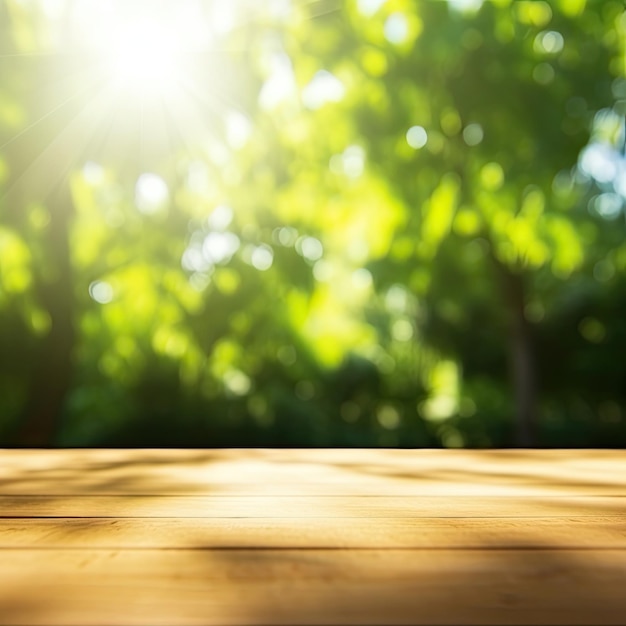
(543,74)
(592,330)
(388,417)
(101,291)
(416,137)
(310,248)
(599,161)
(548,42)
(473,134)
(492,176)
(262,257)
(607,205)
(323,88)
(396,28)
(151,194)
(220,247)
(305,390)
(402,330)
(369,7)
(220,218)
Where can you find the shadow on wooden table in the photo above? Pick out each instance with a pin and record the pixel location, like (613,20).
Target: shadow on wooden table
(465,586)
(534,586)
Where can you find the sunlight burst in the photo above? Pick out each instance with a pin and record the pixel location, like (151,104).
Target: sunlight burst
(145,58)
(146,49)
(142,82)
(154,62)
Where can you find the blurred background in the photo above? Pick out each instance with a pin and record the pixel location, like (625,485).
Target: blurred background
(392,223)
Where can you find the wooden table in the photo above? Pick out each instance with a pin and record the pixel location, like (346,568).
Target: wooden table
(312,537)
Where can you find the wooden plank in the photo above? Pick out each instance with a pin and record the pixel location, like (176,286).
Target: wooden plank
(174,587)
(344,457)
(273,487)
(313,506)
(433,533)
(314,472)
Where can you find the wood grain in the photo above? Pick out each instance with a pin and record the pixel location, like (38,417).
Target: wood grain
(258,537)
(312,506)
(312,533)
(314,472)
(90,587)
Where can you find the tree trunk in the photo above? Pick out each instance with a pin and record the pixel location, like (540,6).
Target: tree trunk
(52,369)
(522,366)
(41,161)
(521,360)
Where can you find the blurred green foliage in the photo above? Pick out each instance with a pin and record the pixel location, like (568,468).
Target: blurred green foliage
(331,223)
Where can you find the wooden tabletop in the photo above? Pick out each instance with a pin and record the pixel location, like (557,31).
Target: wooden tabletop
(99,537)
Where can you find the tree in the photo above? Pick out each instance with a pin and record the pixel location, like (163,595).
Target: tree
(474,121)
(355,213)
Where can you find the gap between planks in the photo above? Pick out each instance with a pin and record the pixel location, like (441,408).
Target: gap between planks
(315,533)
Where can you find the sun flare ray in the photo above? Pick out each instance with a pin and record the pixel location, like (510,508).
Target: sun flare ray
(62,152)
(42,118)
